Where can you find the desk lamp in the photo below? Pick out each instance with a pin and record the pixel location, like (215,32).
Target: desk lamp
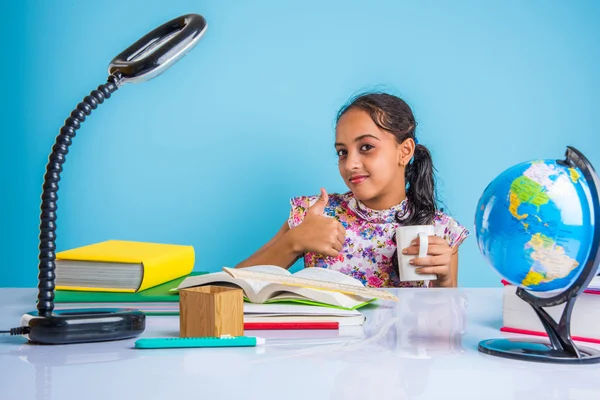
(145,59)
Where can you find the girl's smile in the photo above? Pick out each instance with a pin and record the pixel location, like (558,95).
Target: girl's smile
(357,179)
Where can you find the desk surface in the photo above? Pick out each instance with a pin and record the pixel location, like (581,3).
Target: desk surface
(423,347)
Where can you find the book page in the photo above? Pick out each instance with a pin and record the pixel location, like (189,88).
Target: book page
(281,292)
(269,269)
(250,286)
(325,297)
(214,277)
(327,275)
(257,285)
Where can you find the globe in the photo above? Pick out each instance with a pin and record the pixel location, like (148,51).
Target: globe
(534,225)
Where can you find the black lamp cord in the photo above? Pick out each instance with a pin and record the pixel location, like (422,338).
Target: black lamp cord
(47,247)
(21,330)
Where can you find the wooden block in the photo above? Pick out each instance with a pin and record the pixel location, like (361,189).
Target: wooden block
(211,311)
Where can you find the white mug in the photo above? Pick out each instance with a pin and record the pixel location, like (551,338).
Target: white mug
(405,235)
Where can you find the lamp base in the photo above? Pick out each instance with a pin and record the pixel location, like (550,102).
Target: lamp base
(537,351)
(84,325)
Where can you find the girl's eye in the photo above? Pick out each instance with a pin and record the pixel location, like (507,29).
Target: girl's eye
(366,147)
(341,153)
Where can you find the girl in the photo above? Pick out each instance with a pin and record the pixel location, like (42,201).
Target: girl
(391,182)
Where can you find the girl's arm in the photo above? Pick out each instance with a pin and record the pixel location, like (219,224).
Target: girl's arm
(317,233)
(280,251)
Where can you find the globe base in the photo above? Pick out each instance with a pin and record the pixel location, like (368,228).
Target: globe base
(537,351)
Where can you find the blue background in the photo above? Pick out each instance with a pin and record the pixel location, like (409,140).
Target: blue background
(209,153)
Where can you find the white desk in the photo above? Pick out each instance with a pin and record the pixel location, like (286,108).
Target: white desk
(423,347)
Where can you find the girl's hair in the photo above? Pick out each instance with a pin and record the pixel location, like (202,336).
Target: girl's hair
(393,115)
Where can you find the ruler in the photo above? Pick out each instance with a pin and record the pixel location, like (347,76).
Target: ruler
(311,283)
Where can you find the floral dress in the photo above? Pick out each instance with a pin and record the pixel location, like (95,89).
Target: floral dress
(369,245)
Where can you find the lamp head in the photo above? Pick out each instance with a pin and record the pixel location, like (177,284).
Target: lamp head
(158,50)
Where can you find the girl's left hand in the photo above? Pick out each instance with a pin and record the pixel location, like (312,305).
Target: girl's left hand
(437,262)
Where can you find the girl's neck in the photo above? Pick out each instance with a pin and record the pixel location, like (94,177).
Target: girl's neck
(384,202)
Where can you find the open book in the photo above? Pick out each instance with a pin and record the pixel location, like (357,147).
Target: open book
(261,292)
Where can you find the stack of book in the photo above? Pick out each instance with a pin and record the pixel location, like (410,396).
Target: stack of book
(275,302)
(519,317)
(118,273)
(148,277)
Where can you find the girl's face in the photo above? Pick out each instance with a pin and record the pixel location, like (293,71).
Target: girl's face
(370,160)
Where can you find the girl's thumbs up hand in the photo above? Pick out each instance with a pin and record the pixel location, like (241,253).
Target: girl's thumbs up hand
(319,233)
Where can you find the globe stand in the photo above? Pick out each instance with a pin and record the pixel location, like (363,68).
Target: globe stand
(559,348)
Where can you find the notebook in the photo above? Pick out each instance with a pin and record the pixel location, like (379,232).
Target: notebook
(121,266)
(262,292)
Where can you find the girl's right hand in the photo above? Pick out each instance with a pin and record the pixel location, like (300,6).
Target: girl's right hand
(318,233)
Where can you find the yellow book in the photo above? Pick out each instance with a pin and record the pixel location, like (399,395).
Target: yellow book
(121,266)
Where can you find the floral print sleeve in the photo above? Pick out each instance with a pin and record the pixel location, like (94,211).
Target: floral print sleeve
(448,228)
(299,206)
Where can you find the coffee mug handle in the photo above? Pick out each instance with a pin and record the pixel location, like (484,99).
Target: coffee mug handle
(423,244)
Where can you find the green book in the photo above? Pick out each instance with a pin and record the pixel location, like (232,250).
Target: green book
(157,294)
